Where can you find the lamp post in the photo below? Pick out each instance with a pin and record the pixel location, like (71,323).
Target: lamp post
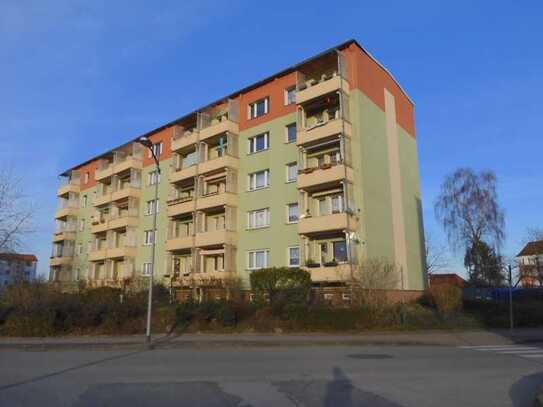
(144,141)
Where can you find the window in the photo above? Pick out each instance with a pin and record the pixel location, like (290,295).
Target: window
(293,256)
(154,177)
(258,180)
(84,201)
(290,95)
(292,213)
(79,249)
(258,219)
(86,178)
(292,172)
(258,259)
(340,251)
(157,149)
(148,237)
(81,225)
(258,108)
(147,269)
(152,206)
(291,132)
(323,206)
(258,143)
(337,204)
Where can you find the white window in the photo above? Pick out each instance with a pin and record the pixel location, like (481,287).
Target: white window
(258,180)
(337,203)
(79,249)
(154,177)
(290,95)
(86,178)
(81,225)
(152,206)
(258,143)
(290,133)
(292,172)
(84,201)
(147,269)
(292,213)
(157,149)
(258,108)
(148,237)
(258,259)
(258,219)
(293,256)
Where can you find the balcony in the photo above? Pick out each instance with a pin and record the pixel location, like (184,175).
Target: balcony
(61,261)
(61,236)
(210,276)
(317,89)
(103,171)
(226,161)
(179,243)
(125,193)
(322,131)
(127,163)
(97,255)
(122,251)
(180,206)
(327,174)
(182,139)
(326,223)
(106,223)
(340,273)
(219,127)
(215,238)
(66,211)
(183,174)
(216,199)
(67,188)
(102,199)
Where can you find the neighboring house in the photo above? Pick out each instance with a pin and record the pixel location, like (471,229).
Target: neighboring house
(530,263)
(16,267)
(315,167)
(448,278)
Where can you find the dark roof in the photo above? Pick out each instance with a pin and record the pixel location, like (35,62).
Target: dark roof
(18,256)
(532,248)
(446,275)
(246,89)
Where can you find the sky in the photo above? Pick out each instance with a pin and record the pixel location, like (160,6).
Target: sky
(80,77)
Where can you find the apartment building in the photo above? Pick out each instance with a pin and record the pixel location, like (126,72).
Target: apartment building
(16,267)
(313,167)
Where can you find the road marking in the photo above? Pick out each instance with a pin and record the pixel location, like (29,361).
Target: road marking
(512,350)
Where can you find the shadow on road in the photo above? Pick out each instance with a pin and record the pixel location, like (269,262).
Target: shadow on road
(523,391)
(70,369)
(339,390)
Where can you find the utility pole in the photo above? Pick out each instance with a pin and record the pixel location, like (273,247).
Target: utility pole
(511,322)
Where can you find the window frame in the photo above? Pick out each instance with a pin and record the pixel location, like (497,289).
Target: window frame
(252,216)
(149,237)
(251,143)
(287,91)
(288,166)
(253,253)
(289,205)
(157,149)
(252,108)
(289,258)
(287,127)
(251,186)
(147,265)
(152,206)
(153,175)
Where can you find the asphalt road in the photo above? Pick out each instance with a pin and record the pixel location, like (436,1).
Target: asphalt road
(376,376)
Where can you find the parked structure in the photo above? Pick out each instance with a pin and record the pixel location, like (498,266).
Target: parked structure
(315,166)
(17,267)
(530,263)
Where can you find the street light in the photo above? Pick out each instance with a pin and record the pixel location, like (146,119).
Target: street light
(144,141)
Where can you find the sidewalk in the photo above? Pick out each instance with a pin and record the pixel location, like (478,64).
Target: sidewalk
(429,338)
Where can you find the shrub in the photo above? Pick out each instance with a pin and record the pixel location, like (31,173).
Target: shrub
(281,285)
(446,298)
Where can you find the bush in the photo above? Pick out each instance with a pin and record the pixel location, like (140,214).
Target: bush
(280,286)
(446,298)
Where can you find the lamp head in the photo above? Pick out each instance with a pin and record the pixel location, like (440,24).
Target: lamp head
(145,141)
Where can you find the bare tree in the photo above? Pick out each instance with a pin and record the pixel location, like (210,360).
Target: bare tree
(436,255)
(375,277)
(15,213)
(467,208)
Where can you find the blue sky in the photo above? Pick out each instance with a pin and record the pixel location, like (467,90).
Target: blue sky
(78,78)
